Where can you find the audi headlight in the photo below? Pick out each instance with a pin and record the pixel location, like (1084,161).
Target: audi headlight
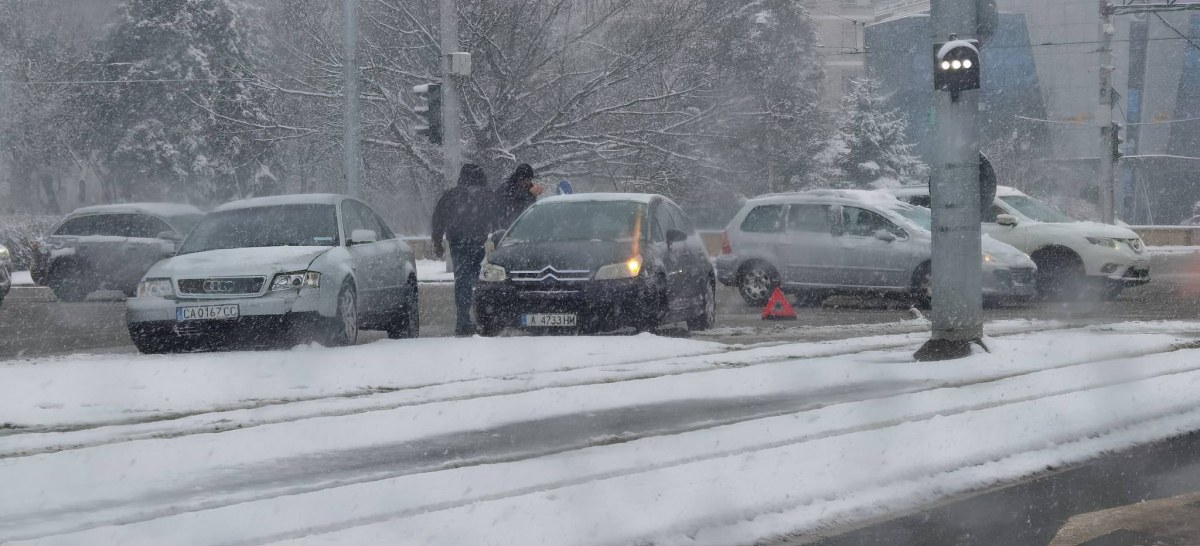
(155,288)
(3,253)
(296,280)
(624,270)
(1105,242)
(492,273)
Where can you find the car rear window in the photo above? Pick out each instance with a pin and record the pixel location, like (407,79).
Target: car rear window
(764,219)
(113,225)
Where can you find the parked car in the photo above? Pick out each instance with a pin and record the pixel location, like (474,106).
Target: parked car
(1074,258)
(109,247)
(5,272)
(817,243)
(597,262)
(279,270)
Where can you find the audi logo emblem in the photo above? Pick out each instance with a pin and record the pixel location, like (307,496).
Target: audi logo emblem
(218,286)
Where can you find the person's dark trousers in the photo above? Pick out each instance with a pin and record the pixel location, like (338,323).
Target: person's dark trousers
(467,256)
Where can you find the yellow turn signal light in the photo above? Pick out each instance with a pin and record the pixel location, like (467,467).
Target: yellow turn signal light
(635,266)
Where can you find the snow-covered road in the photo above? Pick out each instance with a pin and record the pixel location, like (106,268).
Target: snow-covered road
(563,440)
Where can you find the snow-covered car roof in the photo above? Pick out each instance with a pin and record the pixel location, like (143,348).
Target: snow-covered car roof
(644,198)
(909,191)
(155,209)
(875,197)
(276,200)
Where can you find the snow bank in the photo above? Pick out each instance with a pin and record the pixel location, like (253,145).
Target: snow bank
(22,278)
(433,271)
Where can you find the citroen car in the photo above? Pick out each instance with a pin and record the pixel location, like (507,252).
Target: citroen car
(1074,258)
(597,262)
(109,247)
(278,270)
(817,243)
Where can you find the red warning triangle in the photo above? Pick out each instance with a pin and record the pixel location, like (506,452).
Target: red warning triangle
(778,307)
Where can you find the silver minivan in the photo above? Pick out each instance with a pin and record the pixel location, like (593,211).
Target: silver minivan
(813,244)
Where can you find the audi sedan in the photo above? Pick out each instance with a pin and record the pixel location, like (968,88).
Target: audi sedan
(279,270)
(597,262)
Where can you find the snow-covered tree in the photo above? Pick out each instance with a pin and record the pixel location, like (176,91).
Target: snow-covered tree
(183,118)
(871,149)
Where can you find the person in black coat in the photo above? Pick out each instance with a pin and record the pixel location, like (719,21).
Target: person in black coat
(465,215)
(515,195)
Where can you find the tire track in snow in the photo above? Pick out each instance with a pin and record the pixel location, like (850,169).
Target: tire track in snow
(33,441)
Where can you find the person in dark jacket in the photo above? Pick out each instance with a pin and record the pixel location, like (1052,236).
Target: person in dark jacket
(515,195)
(465,214)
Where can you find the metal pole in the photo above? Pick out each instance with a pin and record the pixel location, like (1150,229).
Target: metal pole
(351,130)
(451,129)
(1106,179)
(957,311)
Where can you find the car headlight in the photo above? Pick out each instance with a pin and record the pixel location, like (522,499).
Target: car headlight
(492,273)
(296,280)
(1105,242)
(155,288)
(3,253)
(625,270)
(988,258)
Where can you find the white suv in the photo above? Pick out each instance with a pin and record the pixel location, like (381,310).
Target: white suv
(1072,256)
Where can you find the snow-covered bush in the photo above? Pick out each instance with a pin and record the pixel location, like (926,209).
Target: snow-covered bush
(18,233)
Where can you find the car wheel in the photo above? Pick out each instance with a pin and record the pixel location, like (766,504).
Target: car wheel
(153,344)
(921,293)
(1060,275)
(708,310)
(407,322)
(71,286)
(756,281)
(344,326)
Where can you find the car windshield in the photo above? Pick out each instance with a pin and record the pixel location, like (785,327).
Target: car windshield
(1035,209)
(578,221)
(280,225)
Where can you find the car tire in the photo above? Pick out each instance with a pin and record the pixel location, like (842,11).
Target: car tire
(921,292)
(407,322)
(343,328)
(487,327)
(708,310)
(1060,275)
(153,344)
(756,281)
(71,284)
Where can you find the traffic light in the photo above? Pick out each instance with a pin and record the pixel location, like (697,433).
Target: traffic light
(956,66)
(430,95)
(1117,139)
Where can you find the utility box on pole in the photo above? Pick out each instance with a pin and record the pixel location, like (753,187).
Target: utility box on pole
(957,292)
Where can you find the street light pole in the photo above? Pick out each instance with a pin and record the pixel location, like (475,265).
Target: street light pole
(351,122)
(957,295)
(1106,178)
(451,125)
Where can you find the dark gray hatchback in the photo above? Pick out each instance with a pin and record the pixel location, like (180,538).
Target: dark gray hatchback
(597,262)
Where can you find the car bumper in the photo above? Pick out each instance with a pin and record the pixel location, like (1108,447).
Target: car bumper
(1005,282)
(598,305)
(5,279)
(278,304)
(727,267)
(1128,276)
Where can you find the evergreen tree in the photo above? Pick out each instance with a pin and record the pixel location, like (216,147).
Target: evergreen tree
(180,122)
(871,149)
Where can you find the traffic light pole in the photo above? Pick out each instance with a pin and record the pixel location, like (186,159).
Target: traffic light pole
(451,128)
(1107,173)
(957,295)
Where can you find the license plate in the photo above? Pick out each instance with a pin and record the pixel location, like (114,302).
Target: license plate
(207,312)
(559,320)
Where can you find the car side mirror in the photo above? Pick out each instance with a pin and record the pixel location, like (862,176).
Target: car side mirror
(1006,220)
(675,236)
(362,237)
(497,235)
(885,235)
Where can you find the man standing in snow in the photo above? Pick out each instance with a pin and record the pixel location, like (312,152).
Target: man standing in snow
(464,215)
(516,194)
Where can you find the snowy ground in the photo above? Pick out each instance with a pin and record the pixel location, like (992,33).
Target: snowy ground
(544,440)
(21,278)
(433,271)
